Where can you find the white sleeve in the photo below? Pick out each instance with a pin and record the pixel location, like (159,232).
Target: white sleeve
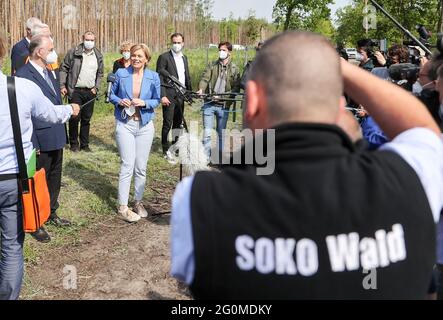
(423,151)
(182,241)
(43,109)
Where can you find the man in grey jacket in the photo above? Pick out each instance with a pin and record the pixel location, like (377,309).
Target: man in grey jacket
(80,77)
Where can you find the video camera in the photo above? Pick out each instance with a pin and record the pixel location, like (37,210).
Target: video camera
(342,51)
(404,71)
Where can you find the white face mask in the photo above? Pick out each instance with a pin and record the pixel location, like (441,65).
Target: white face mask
(359,57)
(130,111)
(89,45)
(51,57)
(177,48)
(417,88)
(126,55)
(223,55)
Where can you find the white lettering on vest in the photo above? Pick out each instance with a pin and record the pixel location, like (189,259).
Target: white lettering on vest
(346,253)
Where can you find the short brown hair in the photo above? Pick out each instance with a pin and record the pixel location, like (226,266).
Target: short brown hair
(227,44)
(295,97)
(178,34)
(126,46)
(144,48)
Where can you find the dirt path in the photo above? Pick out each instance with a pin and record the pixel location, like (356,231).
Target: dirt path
(114,260)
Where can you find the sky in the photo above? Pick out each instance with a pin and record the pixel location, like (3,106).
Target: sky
(262,8)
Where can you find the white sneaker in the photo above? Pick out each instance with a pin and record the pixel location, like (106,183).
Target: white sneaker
(129,215)
(139,208)
(170,157)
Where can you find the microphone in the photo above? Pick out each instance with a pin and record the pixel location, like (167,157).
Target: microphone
(167,75)
(111,79)
(177,86)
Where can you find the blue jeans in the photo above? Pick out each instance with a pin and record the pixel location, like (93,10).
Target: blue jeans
(12,237)
(209,111)
(134,144)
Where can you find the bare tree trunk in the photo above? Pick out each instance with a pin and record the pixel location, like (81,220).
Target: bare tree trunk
(114,21)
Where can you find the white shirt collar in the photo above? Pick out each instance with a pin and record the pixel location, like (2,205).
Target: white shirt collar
(38,68)
(88,53)
(29,41)
(177,55)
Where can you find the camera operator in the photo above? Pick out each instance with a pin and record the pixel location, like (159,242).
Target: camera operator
(369,58)
(396,54)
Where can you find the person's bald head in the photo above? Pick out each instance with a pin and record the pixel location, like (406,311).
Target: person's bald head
(296,77)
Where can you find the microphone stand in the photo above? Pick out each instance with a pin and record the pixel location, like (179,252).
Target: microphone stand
(187,97)
(182,93)
(92,100)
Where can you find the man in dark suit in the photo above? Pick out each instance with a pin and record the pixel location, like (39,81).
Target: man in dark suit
(173,63)
(49,140)
(20,51)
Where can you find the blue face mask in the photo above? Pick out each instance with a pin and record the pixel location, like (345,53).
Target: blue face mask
(89,45)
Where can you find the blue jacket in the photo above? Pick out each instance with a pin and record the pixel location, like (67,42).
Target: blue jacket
(150,93)
(372,133)
(47,137)
(19,54)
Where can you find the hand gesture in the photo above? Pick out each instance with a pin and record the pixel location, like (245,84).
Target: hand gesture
(380,58)
(138,103)
(165,102)
(75,109)
(125,103)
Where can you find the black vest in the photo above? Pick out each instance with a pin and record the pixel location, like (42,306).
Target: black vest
(310,230)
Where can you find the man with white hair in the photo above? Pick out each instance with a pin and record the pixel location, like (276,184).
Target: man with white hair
(20,51)
(48,139)
(41,29)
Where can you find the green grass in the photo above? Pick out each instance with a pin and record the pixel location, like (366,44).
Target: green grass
(90,180)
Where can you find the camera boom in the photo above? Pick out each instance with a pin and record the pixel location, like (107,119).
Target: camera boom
(406,31)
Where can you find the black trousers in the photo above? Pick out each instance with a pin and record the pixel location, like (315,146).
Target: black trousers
(52,162)
(81,96)
(172,118)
